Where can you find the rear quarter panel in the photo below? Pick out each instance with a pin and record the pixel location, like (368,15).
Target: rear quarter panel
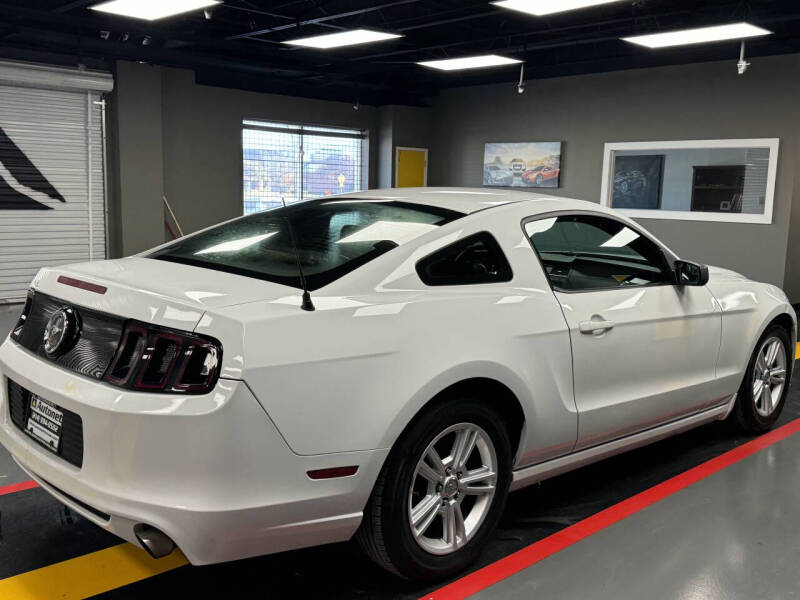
(352,374)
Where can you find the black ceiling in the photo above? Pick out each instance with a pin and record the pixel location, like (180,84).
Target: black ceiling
(240,44)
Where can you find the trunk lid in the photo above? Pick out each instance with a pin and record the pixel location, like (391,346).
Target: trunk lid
(154,291)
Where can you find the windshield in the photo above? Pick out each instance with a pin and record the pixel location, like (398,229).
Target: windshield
(333,237)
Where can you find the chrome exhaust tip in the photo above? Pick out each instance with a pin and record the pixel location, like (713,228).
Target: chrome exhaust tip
(156,542)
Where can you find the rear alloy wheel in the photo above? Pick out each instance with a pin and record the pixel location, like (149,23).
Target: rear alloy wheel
(441,492)
(763,391)
(450,497)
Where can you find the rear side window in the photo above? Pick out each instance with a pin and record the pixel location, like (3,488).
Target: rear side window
(474,260)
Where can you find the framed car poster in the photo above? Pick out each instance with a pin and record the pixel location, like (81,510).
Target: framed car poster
(526,164)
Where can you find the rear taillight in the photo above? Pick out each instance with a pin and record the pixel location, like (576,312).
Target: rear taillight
(17,331)
(156,359)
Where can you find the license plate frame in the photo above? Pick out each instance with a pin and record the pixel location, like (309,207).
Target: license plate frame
(44,422)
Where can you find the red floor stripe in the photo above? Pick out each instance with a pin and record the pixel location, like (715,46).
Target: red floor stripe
(18,487)
(505,567)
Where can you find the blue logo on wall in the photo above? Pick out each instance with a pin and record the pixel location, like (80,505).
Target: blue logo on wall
(20,181)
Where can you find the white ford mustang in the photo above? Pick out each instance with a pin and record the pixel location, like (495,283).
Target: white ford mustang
(453,345)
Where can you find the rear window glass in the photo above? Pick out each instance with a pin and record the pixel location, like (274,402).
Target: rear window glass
(333,237)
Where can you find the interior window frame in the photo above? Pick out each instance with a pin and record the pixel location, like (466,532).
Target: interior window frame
(766,218)
(668,255)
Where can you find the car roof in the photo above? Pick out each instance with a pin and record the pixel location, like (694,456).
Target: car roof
(471,200)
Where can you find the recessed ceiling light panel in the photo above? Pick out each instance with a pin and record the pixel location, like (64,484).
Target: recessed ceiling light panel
(470,62)
(702,35)
(343,38)
(549,7)
(151,9)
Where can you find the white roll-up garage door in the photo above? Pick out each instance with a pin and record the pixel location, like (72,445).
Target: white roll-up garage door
(52,176)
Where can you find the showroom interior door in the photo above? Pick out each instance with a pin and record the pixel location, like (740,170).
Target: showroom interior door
(52,175)
(411,167)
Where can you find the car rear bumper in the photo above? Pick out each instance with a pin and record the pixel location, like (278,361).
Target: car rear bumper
(212,472)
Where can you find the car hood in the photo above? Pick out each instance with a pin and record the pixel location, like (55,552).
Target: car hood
(154,291)
(716,274)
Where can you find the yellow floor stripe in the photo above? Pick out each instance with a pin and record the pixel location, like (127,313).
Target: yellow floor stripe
(797,351)
(88,575)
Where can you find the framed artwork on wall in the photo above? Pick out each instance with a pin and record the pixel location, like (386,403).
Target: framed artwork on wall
(638,181)
(526,164)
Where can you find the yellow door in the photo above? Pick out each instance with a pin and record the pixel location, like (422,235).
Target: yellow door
(412,167)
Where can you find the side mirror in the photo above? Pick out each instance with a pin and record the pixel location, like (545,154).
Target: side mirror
(690,273)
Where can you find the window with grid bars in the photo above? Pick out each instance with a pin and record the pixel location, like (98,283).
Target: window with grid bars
(286,163)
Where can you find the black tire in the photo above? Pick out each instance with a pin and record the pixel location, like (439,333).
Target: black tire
(385,534)
(745,412)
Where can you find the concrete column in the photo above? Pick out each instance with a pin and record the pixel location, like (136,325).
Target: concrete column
(139,177)
(385,147)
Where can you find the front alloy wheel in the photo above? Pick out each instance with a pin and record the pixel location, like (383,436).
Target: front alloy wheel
(762,394)
(441,491)
(769,376)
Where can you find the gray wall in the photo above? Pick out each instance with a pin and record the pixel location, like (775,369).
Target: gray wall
(703,101)
(792,272)
(136,160)
(385,160)
(405,126)
(184,140)
(170,135)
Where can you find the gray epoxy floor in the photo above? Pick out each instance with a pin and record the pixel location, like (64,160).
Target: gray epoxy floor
(9,313)
(732,536)
(9,471)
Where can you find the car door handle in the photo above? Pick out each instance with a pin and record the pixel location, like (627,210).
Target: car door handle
(595,326)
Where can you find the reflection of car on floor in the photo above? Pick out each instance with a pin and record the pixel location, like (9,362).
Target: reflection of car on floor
(196,395)
(496,175)
(629,183)
(541,174)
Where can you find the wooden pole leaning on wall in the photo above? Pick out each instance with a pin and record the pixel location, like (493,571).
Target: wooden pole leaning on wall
(172,214)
